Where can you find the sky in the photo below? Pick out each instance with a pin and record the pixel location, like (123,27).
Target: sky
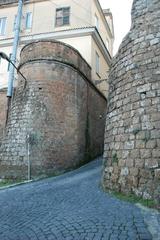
(121,10)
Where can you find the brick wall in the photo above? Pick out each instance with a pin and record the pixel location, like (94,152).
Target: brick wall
(132,137)
(57,114)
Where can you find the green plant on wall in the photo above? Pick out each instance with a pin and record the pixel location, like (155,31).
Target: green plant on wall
(114,158)
(136,131)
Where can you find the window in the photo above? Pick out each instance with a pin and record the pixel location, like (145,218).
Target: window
(2,25)
(62,16)
(97,63)
(28,20)
(96,22)
(10,55)
(14,24)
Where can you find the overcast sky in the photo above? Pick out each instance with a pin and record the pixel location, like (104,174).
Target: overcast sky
(121,10)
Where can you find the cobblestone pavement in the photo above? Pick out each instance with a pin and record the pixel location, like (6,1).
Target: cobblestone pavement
(71,206)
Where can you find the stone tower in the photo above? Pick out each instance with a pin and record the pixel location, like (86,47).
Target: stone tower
(132,135)
(57,117)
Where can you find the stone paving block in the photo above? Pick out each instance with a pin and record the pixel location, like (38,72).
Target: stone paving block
(53,209)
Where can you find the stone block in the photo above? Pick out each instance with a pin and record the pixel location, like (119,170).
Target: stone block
(122,162)
(140,144)
(151,163)
(155,134)
(155,116)
(155,41)
(144,88)
(156,153)
(142,183)
(151,144)
(145,153)
(140,134)
(135,153)
(145,174)
(157,174)
(116,170)
(145,103)
(139,163)
(147,125)
(124,171)
(129,145)
(130,162)
(134,171)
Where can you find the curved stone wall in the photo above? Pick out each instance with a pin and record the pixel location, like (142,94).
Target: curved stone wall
(132,136)
(53,113)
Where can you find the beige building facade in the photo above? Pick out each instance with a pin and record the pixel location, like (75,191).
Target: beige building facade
(81,24)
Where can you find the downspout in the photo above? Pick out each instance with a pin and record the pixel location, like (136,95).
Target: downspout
(28,157)
(14,50)
(87,130)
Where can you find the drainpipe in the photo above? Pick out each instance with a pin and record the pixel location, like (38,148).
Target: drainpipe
(14,50)
(28,157)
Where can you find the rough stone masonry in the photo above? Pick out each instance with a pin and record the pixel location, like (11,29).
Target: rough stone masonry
(132,135)
(57,117)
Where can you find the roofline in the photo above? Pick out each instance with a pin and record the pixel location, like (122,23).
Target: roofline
(104,19)
(58,35)
(15,2)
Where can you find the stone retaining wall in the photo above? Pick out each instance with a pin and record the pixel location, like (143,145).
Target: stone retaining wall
(132,136)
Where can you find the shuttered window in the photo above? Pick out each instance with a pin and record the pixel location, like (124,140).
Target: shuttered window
(62,16)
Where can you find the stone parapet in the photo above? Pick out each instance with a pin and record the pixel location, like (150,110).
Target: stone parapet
(55,51)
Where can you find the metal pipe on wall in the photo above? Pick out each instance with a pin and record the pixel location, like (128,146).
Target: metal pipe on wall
(15,47)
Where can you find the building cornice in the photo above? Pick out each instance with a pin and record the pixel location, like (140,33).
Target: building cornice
(58,35)
(9,3)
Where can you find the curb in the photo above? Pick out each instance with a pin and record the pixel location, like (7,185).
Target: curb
(15,184)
